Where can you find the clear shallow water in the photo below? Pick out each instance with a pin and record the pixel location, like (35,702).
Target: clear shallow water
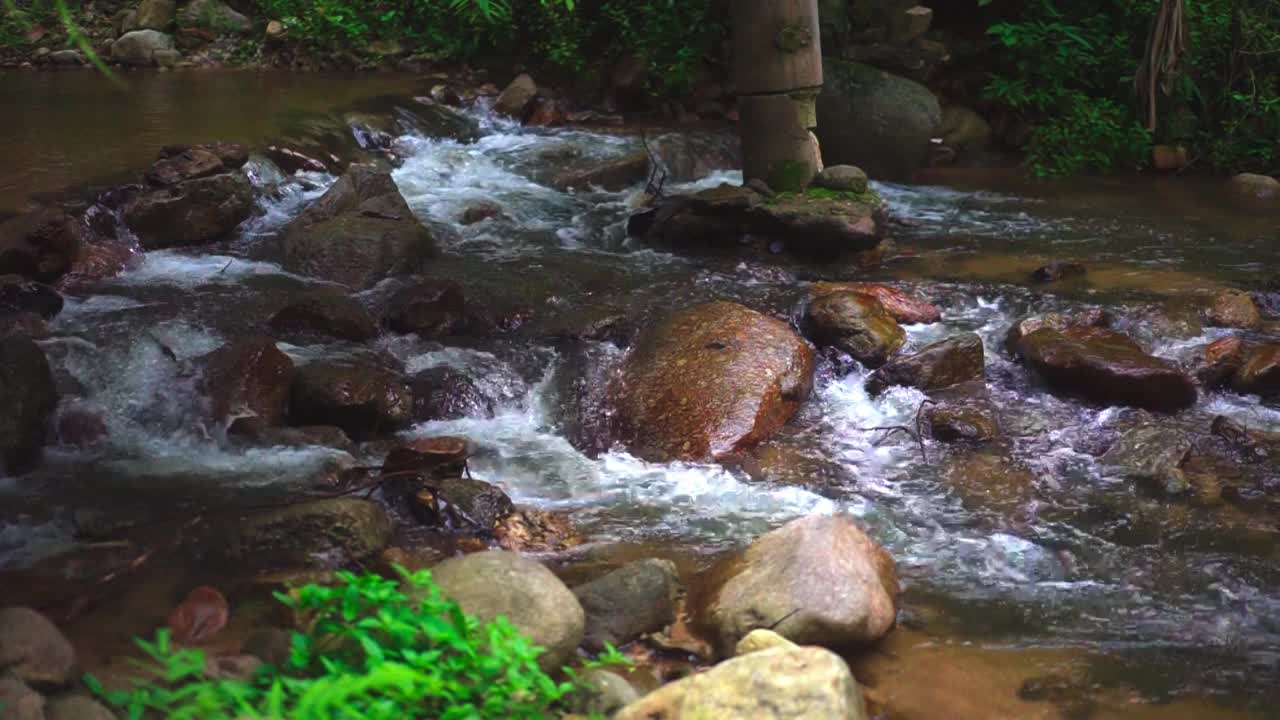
(1068,557)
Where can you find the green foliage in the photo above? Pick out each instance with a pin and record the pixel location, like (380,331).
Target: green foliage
(372,649)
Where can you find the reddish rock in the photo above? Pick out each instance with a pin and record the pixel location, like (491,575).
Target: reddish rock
(940,365)
(248,382)
(328,311)
(904,307)
(201,615)
(436,309)
(445,455)
(1259,371)
(547,113)
(1234,309)
(482,210)
(291,161)
(1168,158)
(41,245)
(26,324)
(612,176)
(100,258)
(362,399)
(1218,361)
(81,428)
(515,100)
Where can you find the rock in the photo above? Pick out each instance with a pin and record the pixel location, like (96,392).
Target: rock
(1056,321)
(606,692)
(138,47)
(153,15)
(988,481)
(358,233)
(18,701)
(275,30)
(857,324)
(909,24)
(1259,371)
(304,533)
(200,616)
(1106,367)
(801,683)
(1216,363)
(431,310)
(81,428)
(76,707)
(213,15)
(328,312)
(67,57)
(942,364)
(166,59)
(42,244)
(272,645)
(711,380)
(28,398)
(842,178)
(19,295)
(32,649)
(515,100)
(298,437)
(882,123)
(194,212)
(1234,309)
(497,583)
(904,307)
(178,164)
(688,156)
(482,210)
(460,503)
(964,129)
(761,639)
(433,457)
(536,531)
(634,600)
(231,667)
(442,393)
(364,400)
(1152,455)
(248,381)
(960,424)
(1169,158)
(816,580)
(1255,191)
(23,324)
(1058,271)
(612,176)
(292,161)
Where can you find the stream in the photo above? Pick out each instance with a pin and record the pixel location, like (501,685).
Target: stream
(1165,600)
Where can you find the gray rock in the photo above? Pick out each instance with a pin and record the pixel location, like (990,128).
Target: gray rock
(194,212)
(515,99)
(1153,455)
(165,58)
(32,649)
(605,692)
(18,701)
(150,15)
(315,532)
(842,178)
(497,583)
(76,707)
(213,15)
(880,122)
(635,599)
(138,47)
(962,128)
(28,398)
(66,57)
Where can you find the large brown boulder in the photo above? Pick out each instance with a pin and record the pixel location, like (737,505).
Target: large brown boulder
(248,382)
(33,649)
(1106,367)
(1057,321)
(28,398)
(358,233)
(819,580)
(179,163)
(364,400)
(515,100)
(42,244)
(443,393)
(857,324)
(1234,309)
(193,212)
(301,534)
(903,306)
(1259,371)
(942,364)
(711,380)
(330,312)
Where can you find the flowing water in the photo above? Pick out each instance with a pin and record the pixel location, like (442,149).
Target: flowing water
(1175,599)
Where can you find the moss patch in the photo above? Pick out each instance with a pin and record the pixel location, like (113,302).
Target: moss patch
(817,194)
(790,176)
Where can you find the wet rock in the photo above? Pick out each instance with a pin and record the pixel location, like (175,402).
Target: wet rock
(604,692)
(32,649)
(1256,191)
(988,481)
(18,701)
(328,312)
(1151,455)
(777,684)
(880,122)
(942,364)
(857,324)
(761,639)
(309,533)
(18,295)
(1216,363)
(23,324)
(358,233)
(431,310)
(497,583)
(42,244)
(817,580)
(439,457)
(710,380)
(482,210)
(842,178)
(214,15)
(1058,271)
(66,58)
(611,176)
(442,393)
(1254,444)
(460,503)
(364,400)
(690,156)
(298,437)
(785,464)
(200,616)
(963,425)
(102,256)
(1106,367)
(515,100)
(964,129)
(139,47)
(81,428)
(181,163)
(292,161)
(1234,309)
(28,398)
(194,212)
(903,306)
(1057,321)
(537,531)
(1259,371)
(412,559)
(634,600)
(581,382)
(248,381)
(76,707)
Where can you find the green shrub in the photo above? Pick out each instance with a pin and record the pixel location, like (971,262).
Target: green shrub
(368,652)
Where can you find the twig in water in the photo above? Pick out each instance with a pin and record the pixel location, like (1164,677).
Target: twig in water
(917,434)
(224,267)
(655,169)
